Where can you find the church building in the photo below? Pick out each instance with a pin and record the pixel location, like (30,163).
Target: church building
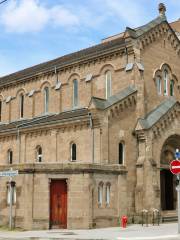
(92,133)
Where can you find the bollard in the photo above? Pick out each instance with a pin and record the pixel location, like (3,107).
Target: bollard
(145,216)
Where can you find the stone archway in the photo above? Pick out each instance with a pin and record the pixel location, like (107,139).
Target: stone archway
(167,179)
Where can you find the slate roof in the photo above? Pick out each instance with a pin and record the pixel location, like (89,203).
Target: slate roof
(103,103)
(90,52)
(155,115)
(46,119)
(63,61)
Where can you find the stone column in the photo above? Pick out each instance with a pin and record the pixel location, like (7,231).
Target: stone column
(28,185)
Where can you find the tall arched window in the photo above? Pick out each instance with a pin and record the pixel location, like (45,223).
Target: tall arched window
(121,153)
(171,88)
(158,85)
(108,194)
(39,154)
(46,99)
(100,194)
(108,84)
(21,105)
(10,156)
(73,152)
(166,79)
(75,93)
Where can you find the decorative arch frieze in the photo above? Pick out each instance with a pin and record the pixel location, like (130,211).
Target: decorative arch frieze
(116,109)
(155,33)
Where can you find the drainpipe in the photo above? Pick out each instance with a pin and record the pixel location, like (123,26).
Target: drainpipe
(92,129)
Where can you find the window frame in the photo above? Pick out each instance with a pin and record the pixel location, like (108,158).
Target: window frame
(172,84)
(39,156)
(108,194)
(100,194)
(73,152)
(122,153)
(21,105)
(10,156)
(159,85)
(108,76)
(75,93)
(46,99)
(166,80)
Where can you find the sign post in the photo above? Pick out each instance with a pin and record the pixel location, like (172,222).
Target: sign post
(10,174)
(175,169)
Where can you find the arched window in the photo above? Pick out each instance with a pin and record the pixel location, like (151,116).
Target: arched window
(108,194)
(100,194)
(166,79)
(73,152)
(0,110)
(21,105)
(10,156)
(121,153)
(39,154)
(75,93)
(158,85)
(46,99)
(108,84)
(171,88)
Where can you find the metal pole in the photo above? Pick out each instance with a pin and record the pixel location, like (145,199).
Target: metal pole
(10,207)
(178,193)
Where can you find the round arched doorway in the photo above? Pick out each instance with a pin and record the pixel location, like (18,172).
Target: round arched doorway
(167,179)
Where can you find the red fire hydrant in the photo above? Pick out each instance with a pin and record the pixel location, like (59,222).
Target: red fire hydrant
(124,221)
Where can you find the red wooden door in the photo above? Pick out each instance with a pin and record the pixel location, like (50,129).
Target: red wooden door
(58,204)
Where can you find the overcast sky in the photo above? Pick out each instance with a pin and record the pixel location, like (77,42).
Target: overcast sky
(34,31)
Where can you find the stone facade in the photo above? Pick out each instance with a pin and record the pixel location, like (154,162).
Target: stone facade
(120,139)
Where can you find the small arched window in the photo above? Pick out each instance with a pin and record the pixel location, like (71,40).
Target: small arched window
(46,100)
(108,84)
(158,85)
(121,153)
(75,93)
(100,194)
(73,152)
(171,88)
(108,188)
(21,105)
(10,156)
(166,79)
(39,154)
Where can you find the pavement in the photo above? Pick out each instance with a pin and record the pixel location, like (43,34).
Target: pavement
(132,232)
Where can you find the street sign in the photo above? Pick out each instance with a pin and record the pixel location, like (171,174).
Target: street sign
(175,167)
(177,154)
(10,173)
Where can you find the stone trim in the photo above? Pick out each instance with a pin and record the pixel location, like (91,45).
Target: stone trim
(66,168)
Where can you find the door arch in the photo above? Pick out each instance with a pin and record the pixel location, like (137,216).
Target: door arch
(167,179)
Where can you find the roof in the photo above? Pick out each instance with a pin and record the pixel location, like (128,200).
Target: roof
(137,32)
(103,103)
(106,46)
(63,61)
(45,119)
(155,115)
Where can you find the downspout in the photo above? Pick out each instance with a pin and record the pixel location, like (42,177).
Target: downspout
(92,130)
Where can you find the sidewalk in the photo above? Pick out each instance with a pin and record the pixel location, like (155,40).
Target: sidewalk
(133,232)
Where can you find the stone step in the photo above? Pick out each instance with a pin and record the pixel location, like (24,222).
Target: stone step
(169,218)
